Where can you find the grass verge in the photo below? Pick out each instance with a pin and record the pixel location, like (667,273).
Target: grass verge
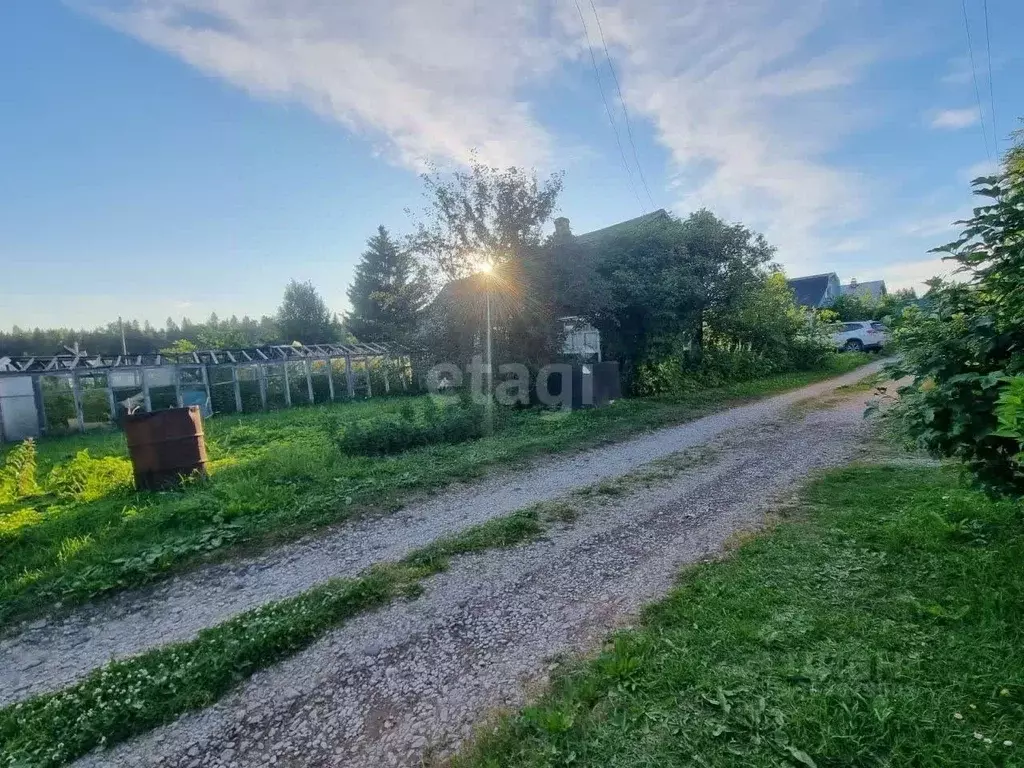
(132,696)
(881,625)
(275,477)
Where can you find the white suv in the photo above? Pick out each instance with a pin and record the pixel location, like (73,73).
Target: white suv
(860,335)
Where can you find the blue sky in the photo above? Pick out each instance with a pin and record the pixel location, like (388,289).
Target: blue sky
(176,157)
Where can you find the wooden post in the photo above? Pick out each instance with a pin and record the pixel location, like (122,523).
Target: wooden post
(238,389)
(206,383)
(330,377)
(348,376)
(145,391)
(384,367)
(287,386)
(177,387)
(111,401)
(37,391)
(309,380)
(401,373)
(76,391)
(261,374)
(369,386)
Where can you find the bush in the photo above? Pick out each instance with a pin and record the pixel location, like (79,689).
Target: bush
(18,477)
(87,479)
(964,349)
(409,429)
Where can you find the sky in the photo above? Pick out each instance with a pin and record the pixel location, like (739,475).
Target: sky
(170,158)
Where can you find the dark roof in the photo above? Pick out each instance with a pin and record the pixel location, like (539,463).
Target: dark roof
(869,289)
(810,290)
(622,228)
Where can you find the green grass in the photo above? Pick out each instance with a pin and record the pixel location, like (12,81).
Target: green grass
(882,624)
(128,697)
(274,477)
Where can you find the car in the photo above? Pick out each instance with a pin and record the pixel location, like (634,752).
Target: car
(860,335)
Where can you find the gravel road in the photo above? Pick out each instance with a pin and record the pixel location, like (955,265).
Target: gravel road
(46,655)
(408,683)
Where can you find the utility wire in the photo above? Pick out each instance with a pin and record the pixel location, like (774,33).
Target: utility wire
(622,101)
(991,88)
(974,74)
(608,109)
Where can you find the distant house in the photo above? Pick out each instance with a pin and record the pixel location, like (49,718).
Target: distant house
(816,290)
(872,290)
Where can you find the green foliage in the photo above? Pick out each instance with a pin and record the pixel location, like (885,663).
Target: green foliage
(18,476)
(387,294)
(304,316)
(388,435)
(970,338)
(87,479)
(880,626)
(1010,413)
(484,214)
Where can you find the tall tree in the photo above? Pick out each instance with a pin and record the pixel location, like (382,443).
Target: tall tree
(388,293)
(484,214)
(304,316)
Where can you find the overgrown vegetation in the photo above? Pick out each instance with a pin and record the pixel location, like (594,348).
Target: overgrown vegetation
(966,349)
(274,476)
(411,427)
(879,626)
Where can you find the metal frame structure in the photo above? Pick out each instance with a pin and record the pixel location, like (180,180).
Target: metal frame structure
(83,365)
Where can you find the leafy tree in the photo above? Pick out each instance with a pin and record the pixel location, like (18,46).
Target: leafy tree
(483,215)
(388,293)
(672,281)
(304,315)
(965,348)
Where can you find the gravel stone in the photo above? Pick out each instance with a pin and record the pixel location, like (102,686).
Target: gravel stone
(486,632)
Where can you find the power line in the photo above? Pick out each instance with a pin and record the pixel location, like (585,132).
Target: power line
(622,101)
(974,74)
(991,88)
(608,109)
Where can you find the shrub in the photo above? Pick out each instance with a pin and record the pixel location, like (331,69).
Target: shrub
(970,341)
(87,479)
(408,429)
(18,477)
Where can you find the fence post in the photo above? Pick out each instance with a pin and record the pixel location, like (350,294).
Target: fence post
(111,401)
(369,386)
(309,379)
(37,390)
(238,389)
(330,377)
(287,386)
(76,391)
(177,387)
(348,376)
(384,367)
(206,384)
(261,374)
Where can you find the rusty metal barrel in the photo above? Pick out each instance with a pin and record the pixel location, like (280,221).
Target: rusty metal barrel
(165,446)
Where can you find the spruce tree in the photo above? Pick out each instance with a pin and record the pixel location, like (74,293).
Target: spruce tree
(388,293)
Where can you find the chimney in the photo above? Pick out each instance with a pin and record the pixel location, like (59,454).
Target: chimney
(562,229)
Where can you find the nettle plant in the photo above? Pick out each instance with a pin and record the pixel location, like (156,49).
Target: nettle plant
(965,351)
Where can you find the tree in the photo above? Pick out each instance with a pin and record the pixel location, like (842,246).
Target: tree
(388,293)
(483,215)
(304,316)
(964,351)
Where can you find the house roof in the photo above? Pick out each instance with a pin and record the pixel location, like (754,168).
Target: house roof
(622,228)
(869,289)
(810,290)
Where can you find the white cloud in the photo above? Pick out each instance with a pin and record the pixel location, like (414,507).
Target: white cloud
(748,108)
(744,95)
(431,80)
(912,274)
(955,119)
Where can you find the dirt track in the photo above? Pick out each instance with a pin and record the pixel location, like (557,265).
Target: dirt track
(410,681)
